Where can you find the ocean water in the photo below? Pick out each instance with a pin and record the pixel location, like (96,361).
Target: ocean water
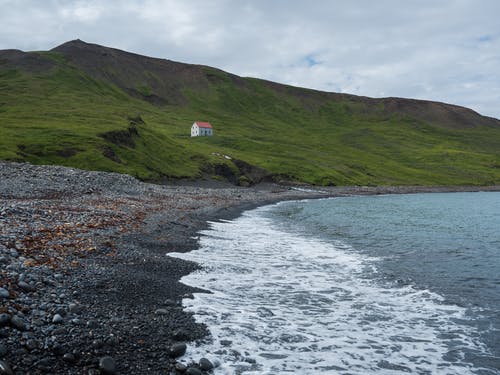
(391,284)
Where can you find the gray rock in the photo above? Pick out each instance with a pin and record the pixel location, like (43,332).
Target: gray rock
(18,323)
(226,342)
(32,344)
(177,350)
(77,322)
(69,357)
(4,293)
(181,335)
(92,324)
(180,367)
(3,350)
(36,312)
(25,286)
(60,311)
(107,366)
(59,331)
(5,369)
(193,371)
(74,308)
(112,341)
(170,302)
(45,364)
(161,311)
(4,320)
(97,344)
(14,253)
(205,364)
(57,319)
(58,349)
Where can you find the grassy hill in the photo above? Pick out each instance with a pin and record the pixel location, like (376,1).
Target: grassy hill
(94,107)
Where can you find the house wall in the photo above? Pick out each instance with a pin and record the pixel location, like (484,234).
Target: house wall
(196,131)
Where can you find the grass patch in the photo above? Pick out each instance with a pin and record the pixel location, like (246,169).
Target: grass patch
(64,116)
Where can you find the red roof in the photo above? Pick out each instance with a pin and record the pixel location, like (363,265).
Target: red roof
(203,124)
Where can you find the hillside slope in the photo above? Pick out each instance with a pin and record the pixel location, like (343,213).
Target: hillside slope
(95,107)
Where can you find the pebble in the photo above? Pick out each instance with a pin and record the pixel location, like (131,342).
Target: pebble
(107,366)
(4,320)
(3,350)
(60,311)
(193,371)
(5,369)
(205,364)
(77,322)
(59,331)
(18,323)
(57,319)
(180,335)
(25,286)
(4,293)
(161,311)
(180,367)
(32,344)
(112,341)
(45,364)
(170,303)
(74,308)
(58,349)
(69,357)
(92,324)
(177,350)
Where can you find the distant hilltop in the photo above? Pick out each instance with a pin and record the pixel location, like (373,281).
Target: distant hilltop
(95,107)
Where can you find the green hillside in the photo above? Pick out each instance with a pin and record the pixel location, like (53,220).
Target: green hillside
(99,108)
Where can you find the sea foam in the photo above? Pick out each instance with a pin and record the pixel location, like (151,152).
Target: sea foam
(287,303)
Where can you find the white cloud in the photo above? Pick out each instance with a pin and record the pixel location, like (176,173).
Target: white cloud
(81,11)
(446,51)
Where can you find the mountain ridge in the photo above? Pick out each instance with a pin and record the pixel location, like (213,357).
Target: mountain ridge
(391,101)
(102,88)
(69,48)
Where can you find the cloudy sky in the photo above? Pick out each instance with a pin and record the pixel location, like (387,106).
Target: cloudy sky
(446,50)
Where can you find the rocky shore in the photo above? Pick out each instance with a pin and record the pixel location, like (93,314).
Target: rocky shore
(85,286)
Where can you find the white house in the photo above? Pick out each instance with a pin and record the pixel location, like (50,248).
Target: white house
(201,129)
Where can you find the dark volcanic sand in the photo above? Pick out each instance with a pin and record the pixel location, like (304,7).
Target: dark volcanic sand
(83,271)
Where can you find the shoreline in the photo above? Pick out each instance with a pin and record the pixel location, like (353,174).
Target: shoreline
(83,263)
